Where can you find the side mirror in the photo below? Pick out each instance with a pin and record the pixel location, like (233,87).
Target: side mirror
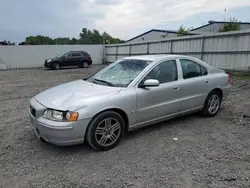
(150,83)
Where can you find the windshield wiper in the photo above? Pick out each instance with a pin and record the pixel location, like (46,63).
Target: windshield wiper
(103,81)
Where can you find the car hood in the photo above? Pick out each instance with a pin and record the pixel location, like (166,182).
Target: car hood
(74,95)
(52,59)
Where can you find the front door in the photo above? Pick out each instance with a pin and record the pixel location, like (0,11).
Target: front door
(66,59)
(154,103)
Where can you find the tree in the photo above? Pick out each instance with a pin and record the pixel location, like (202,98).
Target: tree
(86,37)
(10,43)
(73,41)
(38,40)
(182,31)
(6,43)
(63,40)
(231,25)
(94,37)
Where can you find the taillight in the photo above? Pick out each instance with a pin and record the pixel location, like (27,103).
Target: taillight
(229,78)
(89,57)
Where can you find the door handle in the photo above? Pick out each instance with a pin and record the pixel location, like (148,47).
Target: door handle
(176,88)
(207,81)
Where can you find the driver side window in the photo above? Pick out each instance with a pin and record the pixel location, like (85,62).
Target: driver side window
(66,55)
(164,72)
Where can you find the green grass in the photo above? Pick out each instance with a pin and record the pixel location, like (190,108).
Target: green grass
(240,76)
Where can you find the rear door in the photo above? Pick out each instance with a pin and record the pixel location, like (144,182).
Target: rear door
(76,58)
(158,102)
(194,86)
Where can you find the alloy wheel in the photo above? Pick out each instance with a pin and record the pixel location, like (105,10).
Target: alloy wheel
(213,104)
(85,65)
(107,132)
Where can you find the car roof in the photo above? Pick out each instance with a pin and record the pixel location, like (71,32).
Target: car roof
(156,57)
(78,51)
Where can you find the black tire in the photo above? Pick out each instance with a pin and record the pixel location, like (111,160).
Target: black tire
(97,122)
(56,66)
(84,64)
(205,111)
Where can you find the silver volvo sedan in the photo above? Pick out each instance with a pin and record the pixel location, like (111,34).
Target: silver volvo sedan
(130,93)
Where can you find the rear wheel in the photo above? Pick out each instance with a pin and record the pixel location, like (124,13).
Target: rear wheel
(105,130)
(212,104)
(56,66)
(85,64)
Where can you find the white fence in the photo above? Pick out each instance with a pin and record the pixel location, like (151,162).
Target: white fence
(34,56)
(225,50)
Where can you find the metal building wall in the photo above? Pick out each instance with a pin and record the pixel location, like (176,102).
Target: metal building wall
(229,50)
(34,56)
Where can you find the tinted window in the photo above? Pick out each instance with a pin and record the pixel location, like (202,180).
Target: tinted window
(191,69)
(164,72)
(68,55)
(75,54)
(85,53)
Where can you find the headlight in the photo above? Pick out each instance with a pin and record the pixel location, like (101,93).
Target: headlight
(49,60)
(60,115)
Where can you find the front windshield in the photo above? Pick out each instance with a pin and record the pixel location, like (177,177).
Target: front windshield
(64,54)
(121,74)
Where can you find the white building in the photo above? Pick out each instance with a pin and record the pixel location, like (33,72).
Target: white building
(214,27)
(154,34)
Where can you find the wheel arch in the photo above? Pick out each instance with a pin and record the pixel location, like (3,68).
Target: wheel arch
(121,112)
(85,60)
(219,90)
(56,61)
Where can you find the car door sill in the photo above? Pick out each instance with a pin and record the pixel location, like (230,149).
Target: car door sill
(164,118)
(153,121)
(190,111)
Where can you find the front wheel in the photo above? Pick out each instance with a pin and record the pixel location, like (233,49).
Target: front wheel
(212,104)
(56,66)
(105,130)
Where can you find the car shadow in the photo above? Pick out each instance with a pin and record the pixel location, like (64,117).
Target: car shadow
(160,126)
(63,68)
(85,149)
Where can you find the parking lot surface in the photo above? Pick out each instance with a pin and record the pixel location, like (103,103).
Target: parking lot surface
(186,152)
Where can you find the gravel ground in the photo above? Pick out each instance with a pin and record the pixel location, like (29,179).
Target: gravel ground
(209,152)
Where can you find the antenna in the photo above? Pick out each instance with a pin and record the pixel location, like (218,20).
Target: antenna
(225,14)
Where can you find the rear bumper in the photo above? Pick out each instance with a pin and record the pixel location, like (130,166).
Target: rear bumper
(90,62)
(226,90)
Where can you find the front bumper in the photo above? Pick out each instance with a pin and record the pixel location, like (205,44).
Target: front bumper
(47,64)
(58,133)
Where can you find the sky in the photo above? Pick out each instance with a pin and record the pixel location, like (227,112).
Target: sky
(120,18)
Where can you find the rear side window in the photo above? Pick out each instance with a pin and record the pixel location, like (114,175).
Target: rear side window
(75,54)
(85,54)
(191,69)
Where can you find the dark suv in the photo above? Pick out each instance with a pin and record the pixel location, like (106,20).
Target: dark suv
(72,58)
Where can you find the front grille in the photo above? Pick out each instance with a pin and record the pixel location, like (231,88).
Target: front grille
(32,111)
